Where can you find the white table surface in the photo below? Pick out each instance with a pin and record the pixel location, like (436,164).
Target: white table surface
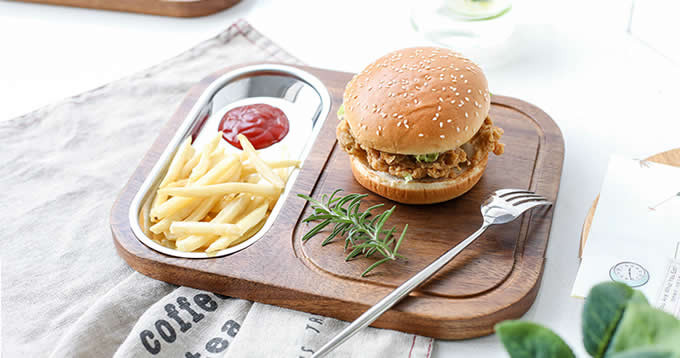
(608,91)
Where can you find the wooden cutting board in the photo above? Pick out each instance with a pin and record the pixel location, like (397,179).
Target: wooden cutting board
(671,157)
(174,8)
(494,279)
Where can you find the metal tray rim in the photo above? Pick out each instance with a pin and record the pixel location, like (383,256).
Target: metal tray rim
(184,130)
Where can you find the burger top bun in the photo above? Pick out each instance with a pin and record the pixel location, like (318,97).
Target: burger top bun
(416,101)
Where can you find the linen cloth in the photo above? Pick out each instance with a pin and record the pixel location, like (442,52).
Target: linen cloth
(65,291)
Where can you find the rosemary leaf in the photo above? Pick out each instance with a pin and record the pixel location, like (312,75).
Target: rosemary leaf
(364,232)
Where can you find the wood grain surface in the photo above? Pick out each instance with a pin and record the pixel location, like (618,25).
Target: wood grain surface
(173,8)
(494,279)
(671,157)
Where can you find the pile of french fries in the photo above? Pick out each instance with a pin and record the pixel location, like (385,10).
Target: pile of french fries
(210,200)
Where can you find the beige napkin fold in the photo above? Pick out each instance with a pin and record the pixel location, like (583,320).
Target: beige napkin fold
(66,293)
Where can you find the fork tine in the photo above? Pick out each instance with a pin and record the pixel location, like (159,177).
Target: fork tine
(514,197)
(505,192)
(531,204)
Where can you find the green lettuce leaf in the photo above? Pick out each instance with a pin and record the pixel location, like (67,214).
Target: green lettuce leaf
(601,314)
(643,326)
(408,177)
(341,111)
(646,353)
(529,340)
(427,158)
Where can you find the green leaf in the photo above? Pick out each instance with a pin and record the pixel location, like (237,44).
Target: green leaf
(370,268)
(646,353)
(408,177)
(316,230)
(529,340)
(601,314)
(341,111)
(427,158)
(643,326)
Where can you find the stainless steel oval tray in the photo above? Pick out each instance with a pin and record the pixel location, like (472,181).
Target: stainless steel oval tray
(302,97)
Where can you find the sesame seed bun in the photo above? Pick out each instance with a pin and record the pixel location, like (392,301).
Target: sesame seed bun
(416,192)
(416,101)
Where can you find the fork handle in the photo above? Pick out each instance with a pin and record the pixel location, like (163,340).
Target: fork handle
(395,296)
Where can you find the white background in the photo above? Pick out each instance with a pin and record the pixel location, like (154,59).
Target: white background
(609,90)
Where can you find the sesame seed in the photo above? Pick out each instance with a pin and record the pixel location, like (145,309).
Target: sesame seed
(469,90)
(420,134)
(441,99)
(439,107)
(465,81)
(400,116)
(399,124)
(377,133)
(466,128)
(466,115)
(434,118)
(448,121)
(457,129)
(441,136)
(467,99)
(406,125)
(394,115)
(441,124)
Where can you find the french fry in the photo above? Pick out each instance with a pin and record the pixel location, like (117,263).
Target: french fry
(250,168)
(203,228)
(254,230)
(222,189)
(189,165)
(183,153)
(259,164)
(212,176)
(202,209)
(246,223)
(254,216)
(229,213)
(220,204)
(164,224)
(232,209)
(206,154)
(178,184)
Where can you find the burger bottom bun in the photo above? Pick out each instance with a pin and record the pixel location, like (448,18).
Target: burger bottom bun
(416,192)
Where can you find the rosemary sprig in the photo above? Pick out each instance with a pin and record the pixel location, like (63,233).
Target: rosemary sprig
(364,233)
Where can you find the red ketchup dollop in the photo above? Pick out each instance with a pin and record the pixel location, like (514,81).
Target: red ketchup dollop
(261,123)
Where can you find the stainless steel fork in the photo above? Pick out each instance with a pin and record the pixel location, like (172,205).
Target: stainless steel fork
(501,207)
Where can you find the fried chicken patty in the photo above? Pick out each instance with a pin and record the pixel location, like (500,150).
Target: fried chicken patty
(449,164)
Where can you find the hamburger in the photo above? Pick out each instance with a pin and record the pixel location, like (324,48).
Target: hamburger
(416,125)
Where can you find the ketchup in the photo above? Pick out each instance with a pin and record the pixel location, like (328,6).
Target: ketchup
(261,123)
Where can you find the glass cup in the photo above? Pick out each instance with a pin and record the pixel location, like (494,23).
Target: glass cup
(478,28)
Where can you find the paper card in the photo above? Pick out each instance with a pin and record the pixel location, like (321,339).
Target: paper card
(669,295)
(635,230)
